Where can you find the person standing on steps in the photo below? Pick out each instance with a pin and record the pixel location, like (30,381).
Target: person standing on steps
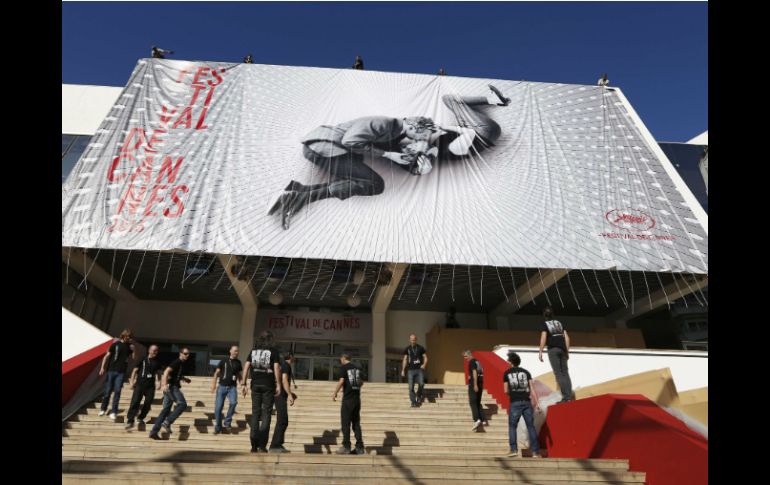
(415,361)
(475,389)
(351,380)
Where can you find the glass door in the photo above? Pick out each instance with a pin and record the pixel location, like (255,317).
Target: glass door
(302,367)
(321,369)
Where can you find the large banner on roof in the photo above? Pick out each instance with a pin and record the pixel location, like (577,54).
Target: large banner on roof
(373,166)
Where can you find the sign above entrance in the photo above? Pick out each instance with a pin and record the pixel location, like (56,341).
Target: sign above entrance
(339,327)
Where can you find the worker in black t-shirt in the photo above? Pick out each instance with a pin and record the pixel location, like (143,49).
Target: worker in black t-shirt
(415,360)
(145,380)
(228,374)
(475,389)
(158,53)
(115,363)
(350,380)
(171,383)
(554,334)
(265,387)
(281,411)
(517,383)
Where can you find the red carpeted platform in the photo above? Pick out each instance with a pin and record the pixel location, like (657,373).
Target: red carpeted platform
(628,427)
(75,370)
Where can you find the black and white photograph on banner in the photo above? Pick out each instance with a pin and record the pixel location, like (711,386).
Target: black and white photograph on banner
(349,164)
(338,150)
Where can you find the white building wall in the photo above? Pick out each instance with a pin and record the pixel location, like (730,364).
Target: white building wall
(83,108)
(402,323)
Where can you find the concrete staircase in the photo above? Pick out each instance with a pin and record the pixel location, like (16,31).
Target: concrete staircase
(430,444)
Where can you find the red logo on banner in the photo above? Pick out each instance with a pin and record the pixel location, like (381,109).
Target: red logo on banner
(630,219)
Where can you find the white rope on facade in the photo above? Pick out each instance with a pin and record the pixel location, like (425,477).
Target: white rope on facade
(224,271)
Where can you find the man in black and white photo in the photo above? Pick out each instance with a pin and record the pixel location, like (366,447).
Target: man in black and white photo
(339,152)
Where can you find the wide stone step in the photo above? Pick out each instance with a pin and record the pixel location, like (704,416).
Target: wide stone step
(452,460)
(323,397)
(351,469)
(241,445)
(433,444)
(330,438)
(242,421)
(327,409)
(168,479)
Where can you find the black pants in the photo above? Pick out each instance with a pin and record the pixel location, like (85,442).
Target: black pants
(474,398)
(282,421)
(262,398)
(351,415)
(146,391)
(348,176)
(468,115)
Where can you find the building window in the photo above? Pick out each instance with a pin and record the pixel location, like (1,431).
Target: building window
(85,300)
(72,147)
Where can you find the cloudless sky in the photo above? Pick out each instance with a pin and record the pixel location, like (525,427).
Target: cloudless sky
(656,52)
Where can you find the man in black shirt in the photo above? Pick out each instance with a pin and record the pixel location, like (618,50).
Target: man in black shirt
(228,374)
(281,411)
(172,393)
(265,387)
(556,337)
(415,360)
(145,380)
(517,383)
(115,363)
(358,64)
(351,378)
(475,389)
(159,53)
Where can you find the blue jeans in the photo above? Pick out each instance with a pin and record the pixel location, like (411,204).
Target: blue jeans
(113,383)
(419,376)
(232,396)
(516,411)
(173,395)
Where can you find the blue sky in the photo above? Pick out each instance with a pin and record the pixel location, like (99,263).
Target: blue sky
(657,52)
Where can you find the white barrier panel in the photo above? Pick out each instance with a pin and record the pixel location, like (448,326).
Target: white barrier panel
(78,336)
(589,366)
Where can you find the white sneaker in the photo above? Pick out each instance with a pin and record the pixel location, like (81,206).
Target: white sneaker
(113,416)
(476,425)
(101,412)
